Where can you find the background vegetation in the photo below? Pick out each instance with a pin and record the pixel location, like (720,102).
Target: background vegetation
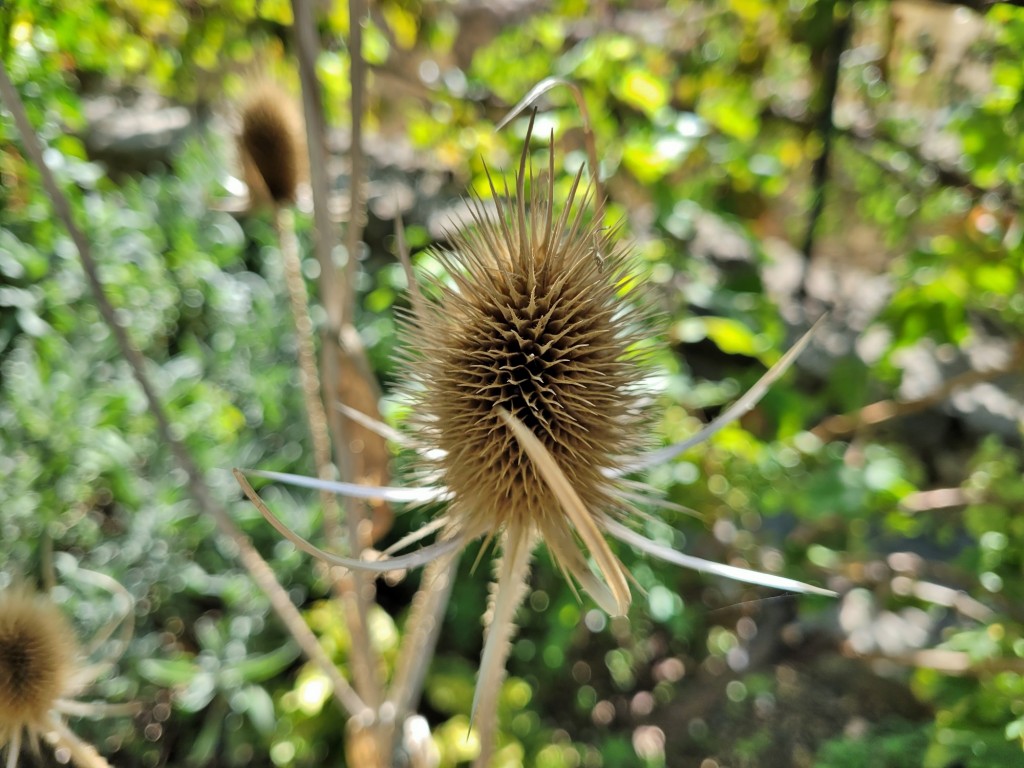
(767,159)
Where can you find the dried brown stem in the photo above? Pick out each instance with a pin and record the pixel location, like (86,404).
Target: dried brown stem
(357,160)
(946,661)
(251,560)
(940,594)
(509,588)
(325,239)
(364,670)
(306,356)
(336,295)
(846,424)
(936,498)
(422,630)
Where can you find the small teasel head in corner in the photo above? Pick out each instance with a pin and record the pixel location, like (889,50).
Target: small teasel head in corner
(37,652)
(43,671)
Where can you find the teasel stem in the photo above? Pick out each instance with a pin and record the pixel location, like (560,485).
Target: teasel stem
(427,615)
(341,340)
(325,239)
(249,557)
(357,75)
(420,638)
(507,593)
(284,223)
(364,668)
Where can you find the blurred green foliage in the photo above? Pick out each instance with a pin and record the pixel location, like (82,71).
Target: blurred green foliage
(705,114)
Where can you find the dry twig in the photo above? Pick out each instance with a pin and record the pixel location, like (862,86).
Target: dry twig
(846,424)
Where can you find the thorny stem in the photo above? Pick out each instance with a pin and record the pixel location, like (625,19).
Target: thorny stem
(285,224)
(324,240)
(364,670)
(357,74)
(842,28)
(507,593)
(340,339)
(422,630)
(253,562)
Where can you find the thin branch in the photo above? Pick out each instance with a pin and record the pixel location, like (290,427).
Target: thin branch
(944,175)
(846,424)
(863,139)
(940,594)
(980,6)
(842,29)
(948,662)
(253,562)
(325,240)
(937,498)
(357,160)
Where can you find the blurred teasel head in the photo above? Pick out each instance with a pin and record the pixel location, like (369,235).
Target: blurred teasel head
(271,144)
(43,671)
(37,652)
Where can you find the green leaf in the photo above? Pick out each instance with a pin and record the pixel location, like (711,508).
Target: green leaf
(168,672)
(733,337)
(256,669)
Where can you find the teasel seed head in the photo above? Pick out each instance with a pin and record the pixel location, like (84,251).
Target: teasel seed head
(272,144)
(37,653)
(540,323)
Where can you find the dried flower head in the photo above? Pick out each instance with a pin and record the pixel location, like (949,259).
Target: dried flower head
(42,670)
(36,653)
(536,335)
(271,144)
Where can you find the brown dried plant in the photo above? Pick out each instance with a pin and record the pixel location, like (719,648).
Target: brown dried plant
(525,389)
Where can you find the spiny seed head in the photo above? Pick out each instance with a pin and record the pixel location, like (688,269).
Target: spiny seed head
(37,653)
(271,143)
(540,319)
